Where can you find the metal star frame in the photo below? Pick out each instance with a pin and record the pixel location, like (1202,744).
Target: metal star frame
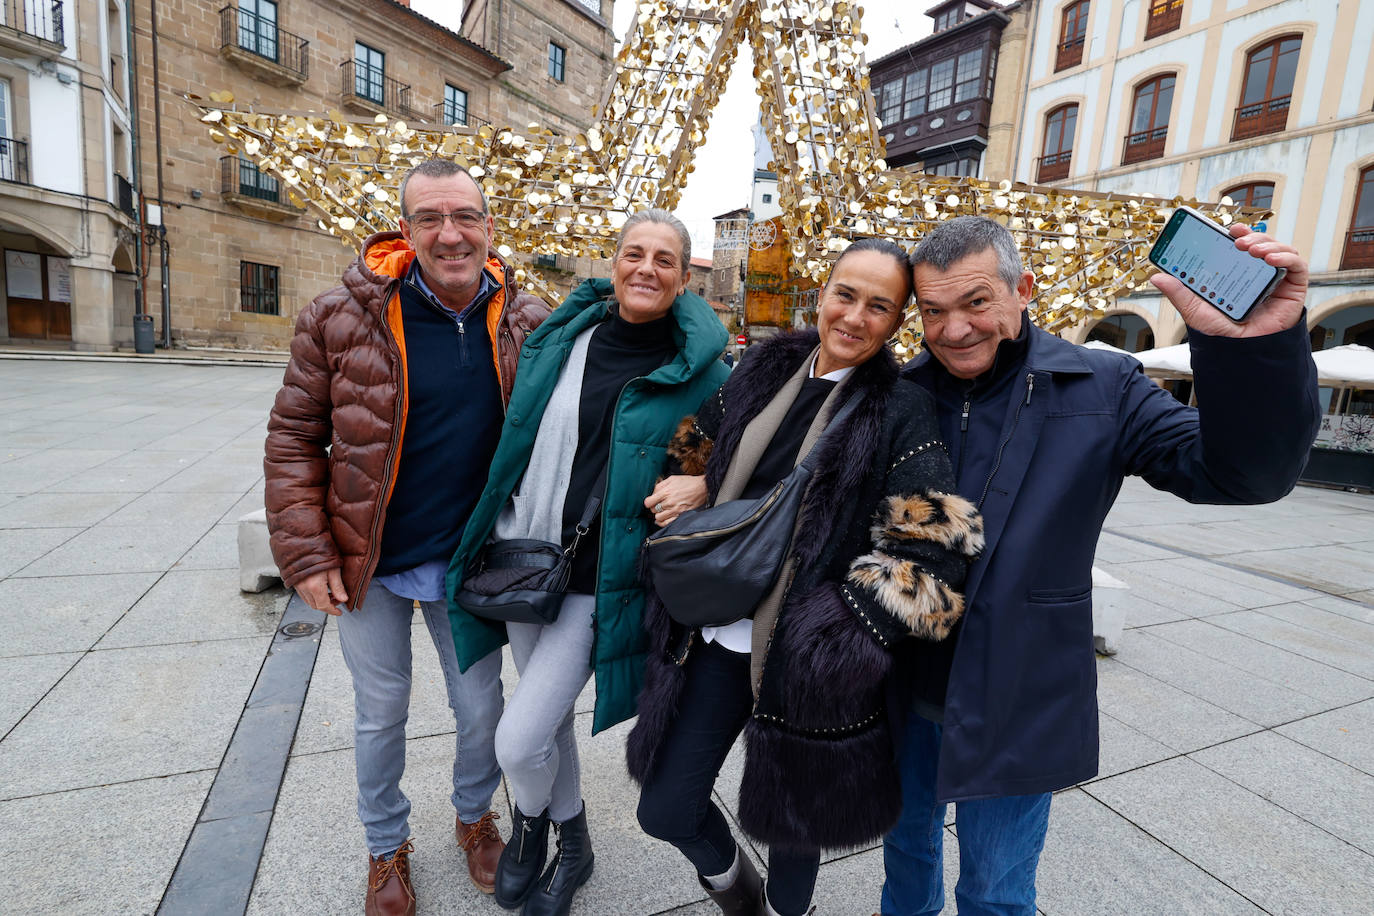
(570,194)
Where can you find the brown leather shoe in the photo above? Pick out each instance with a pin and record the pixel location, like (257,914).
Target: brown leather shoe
(483,844)
(388,884)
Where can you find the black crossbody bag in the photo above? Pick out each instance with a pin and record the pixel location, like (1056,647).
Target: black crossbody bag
(524,581)
(711,567)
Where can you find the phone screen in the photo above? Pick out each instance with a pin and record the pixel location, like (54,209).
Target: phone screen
(1206,259)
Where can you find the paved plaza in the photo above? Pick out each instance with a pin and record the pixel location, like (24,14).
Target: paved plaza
(1237,719)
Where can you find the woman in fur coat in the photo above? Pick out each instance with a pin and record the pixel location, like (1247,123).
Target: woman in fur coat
(882,548)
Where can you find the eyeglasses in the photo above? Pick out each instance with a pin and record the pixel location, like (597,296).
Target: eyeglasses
(430,221)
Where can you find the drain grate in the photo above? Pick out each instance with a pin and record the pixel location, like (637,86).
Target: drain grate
(300,628)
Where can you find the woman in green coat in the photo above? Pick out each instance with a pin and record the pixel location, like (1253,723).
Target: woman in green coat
(600,388)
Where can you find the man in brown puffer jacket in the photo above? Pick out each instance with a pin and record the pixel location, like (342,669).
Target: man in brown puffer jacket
(377,448)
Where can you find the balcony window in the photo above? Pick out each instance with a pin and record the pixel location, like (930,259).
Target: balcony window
(1073,34)
(1057,150)
(1359,241)
(1258,194)
(558,61)
(969,79)
(455,105)
(941,85)
(258,289)
(890,101)
(1165,16)
(1149,120)
(369,73)
(1268,90)
(258,27)
(960,166)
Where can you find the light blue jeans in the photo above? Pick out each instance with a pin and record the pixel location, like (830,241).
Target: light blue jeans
(376,647)
(535,741)
(999,842)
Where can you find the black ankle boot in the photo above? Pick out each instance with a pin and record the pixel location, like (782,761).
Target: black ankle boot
(523,858)
(741,898)
(569,870)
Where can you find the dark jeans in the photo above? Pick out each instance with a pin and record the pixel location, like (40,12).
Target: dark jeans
(675,803)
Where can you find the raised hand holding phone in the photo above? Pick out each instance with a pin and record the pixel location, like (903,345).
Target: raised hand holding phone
(1280,311)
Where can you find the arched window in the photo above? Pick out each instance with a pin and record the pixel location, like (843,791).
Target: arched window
(1359,241)
(1165,16)
(1057,151)
(1149,120)
(1268,88)
(1073,34)
(1256,194)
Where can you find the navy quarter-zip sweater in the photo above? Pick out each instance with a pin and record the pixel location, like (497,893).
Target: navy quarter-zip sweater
(453,422)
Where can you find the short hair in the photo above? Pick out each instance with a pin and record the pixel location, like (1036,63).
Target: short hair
(438,168)
(881,246)
(662,217)
(963,236)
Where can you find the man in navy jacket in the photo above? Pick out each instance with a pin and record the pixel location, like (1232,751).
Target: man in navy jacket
(1041,433)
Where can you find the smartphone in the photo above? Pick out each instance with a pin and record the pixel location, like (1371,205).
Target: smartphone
(1204,257)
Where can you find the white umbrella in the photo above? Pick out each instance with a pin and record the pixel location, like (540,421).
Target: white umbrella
(1167,362)
(1099,345)
(1350,366)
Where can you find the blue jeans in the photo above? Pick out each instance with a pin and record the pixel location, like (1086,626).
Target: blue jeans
(376,647)
(999,842)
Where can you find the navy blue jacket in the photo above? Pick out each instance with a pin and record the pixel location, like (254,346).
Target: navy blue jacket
(1021,706)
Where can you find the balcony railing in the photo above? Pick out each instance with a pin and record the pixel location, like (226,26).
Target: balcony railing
(447,114)
(1359,249)
(247,31)
(14,160)
(124,196)
(1070,53)
(371,88)
(1266,117)
(240,176)
(1165,17)
(1147,144)
(1053,168)
(41,19)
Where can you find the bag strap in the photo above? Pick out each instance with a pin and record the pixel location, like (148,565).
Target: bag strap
(831,426)
(590,511)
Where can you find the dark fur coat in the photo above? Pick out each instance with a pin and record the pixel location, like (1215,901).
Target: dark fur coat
(882,552)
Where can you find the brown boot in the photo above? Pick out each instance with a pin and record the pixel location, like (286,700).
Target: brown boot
(482,844)
(388,884)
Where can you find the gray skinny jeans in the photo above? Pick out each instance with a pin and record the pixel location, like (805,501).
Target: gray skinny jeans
(534,739)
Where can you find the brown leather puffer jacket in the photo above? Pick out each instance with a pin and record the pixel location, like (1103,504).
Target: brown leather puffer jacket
(336,428)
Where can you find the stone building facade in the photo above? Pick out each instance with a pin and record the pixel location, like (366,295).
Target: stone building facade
(66,204)
(243,260)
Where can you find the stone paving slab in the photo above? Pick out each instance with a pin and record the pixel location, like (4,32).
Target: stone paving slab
(1275,859)
(1173,717)
(1337,568)
(19,546)
(1330,648)
(26,679)
(117,549)
(65,613)
(196,605)
(1345,734)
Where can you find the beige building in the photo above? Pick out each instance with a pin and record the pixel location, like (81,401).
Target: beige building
(66,205)
(243,260)
(1268,102)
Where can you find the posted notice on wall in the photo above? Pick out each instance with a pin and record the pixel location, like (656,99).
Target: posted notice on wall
(24,275)
(59,279)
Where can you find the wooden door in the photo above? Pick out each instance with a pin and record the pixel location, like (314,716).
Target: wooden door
(38,293)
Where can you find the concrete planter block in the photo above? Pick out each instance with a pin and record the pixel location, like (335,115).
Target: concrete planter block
(1109,617)
(257,569)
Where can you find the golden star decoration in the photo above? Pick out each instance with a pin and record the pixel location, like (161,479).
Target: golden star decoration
(557,194)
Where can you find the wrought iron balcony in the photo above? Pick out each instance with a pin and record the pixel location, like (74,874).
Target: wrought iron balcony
(1359,249)
(448,115)
(370,89)
(14,160)
(1147,144)
(1070,53)
(1053,168)
(260,45)
(26,20)
(1268,116)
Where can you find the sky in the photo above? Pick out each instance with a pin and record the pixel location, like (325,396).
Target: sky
(725,162)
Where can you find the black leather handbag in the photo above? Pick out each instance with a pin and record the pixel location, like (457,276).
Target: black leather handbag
(524,581)
(711,567)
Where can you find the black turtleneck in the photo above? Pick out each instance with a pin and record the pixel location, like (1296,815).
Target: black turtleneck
(619,351)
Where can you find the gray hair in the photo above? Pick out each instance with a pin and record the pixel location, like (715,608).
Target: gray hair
(438,168)
(963,236)
(662,217)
